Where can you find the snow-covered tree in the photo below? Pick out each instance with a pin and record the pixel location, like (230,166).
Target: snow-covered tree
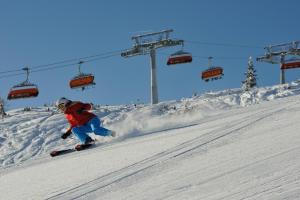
(2,104)
(250,81)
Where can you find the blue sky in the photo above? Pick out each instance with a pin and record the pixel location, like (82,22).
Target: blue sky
(37,33)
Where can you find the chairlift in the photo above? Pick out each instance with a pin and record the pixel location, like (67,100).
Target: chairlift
(179,57)
(24,89)
(81,80)
(212,73)
(293,63)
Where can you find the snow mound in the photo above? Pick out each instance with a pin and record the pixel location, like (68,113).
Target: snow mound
(229,144)
(33,133)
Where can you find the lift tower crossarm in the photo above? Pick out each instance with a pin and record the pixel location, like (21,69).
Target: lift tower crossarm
(145,48)
(276,54)
(166,33)
(147,44)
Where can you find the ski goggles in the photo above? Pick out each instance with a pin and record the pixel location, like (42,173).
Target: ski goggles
(61,106)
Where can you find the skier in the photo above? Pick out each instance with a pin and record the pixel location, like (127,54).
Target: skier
(81,122)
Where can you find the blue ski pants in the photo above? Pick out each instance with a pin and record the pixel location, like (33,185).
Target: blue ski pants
(94,125)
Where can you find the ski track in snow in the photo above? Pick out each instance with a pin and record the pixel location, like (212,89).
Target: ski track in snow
(87,189)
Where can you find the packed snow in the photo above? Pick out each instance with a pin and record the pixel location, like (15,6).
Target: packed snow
(225,145)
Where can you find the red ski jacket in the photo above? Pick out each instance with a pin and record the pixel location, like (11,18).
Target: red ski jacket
(77,114)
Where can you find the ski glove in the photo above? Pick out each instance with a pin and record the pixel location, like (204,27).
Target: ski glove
(67,134)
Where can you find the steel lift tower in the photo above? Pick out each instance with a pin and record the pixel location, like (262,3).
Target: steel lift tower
(275,54)
(147,44)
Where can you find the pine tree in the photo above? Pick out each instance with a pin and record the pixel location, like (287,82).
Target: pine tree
(250,81)
(2,104)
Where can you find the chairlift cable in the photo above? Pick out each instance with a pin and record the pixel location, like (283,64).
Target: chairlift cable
(224,44)
(104,55)
(47,67)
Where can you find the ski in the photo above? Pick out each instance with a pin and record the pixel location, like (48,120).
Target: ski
(61,152)
(78,147)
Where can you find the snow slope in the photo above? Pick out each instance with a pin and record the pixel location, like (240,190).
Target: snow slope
(221,145)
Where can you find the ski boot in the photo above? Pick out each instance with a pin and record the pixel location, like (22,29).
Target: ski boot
(113,133)
(88,142)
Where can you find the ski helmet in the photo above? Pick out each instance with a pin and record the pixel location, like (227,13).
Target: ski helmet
(62,102)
